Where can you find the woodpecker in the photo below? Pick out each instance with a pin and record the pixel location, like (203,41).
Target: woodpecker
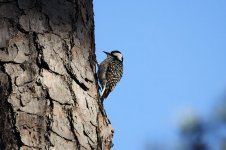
(110,72)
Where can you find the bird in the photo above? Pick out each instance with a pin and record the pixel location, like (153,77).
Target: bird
(110,72)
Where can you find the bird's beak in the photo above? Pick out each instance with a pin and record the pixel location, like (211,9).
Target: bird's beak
(107,53)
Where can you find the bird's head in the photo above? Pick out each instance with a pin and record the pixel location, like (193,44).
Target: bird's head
(116,54)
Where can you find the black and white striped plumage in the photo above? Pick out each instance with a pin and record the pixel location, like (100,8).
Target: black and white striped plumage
(110,72)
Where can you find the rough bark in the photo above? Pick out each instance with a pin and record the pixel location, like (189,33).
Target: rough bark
(48,84)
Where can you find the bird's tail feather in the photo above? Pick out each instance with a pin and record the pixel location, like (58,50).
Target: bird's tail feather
(104,94)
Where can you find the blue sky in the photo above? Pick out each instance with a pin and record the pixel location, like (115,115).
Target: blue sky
(174,63)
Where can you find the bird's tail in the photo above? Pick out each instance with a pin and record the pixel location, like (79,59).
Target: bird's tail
(104,94)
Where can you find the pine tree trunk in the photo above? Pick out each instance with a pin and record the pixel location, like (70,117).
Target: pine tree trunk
(48,84)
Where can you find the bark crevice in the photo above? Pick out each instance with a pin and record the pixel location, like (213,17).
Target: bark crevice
(74,77)
(8,115)
(71,121)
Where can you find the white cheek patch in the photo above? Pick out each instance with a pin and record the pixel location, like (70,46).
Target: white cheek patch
(119,56)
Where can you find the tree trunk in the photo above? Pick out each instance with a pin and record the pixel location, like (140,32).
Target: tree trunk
(48,85)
